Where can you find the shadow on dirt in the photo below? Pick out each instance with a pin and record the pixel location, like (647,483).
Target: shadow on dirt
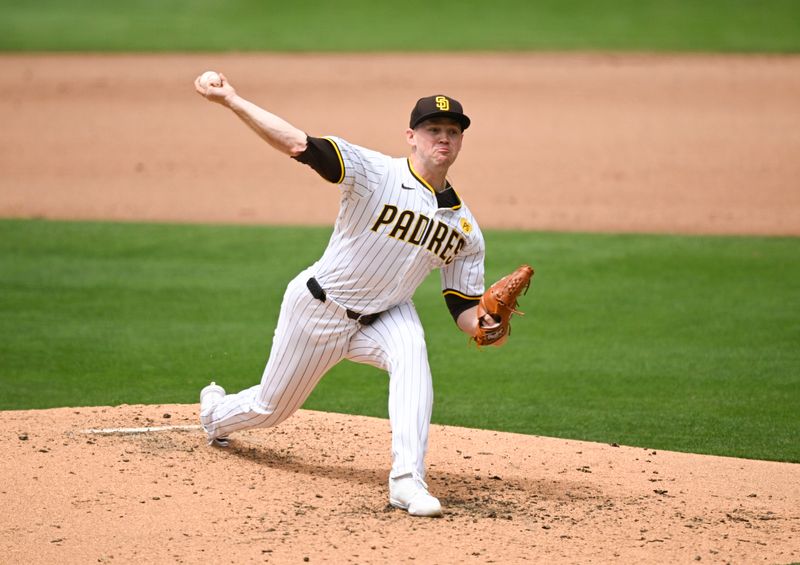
(474,495)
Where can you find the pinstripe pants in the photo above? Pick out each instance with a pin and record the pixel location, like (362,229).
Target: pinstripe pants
(310,338)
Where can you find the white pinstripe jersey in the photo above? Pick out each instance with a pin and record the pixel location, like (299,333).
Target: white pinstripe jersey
(391,233)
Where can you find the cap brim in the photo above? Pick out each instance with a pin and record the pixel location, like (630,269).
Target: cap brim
(460,118)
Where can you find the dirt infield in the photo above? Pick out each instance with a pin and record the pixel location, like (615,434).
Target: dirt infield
(314,489)
(588,143)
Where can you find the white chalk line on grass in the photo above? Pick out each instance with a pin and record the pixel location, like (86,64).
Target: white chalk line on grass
(147,430)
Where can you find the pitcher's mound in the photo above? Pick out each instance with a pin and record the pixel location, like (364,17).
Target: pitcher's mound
(139,484)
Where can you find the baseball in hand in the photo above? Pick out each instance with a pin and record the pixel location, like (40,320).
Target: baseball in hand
(210,78)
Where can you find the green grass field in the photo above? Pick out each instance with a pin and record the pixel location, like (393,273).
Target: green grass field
(684,343)
(771,26)
(666,342)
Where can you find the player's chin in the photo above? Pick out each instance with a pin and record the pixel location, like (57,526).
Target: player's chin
(444,158)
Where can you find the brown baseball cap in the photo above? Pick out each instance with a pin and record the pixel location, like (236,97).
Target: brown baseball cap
(438,106)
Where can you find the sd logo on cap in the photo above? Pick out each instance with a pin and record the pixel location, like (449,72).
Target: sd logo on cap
(438,106)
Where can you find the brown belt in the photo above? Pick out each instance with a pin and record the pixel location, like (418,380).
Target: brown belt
(317,292)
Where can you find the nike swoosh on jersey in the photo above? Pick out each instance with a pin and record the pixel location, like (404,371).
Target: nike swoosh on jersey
(406,187)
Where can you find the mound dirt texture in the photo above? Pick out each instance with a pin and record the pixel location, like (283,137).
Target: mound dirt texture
(692,144)
(315,489)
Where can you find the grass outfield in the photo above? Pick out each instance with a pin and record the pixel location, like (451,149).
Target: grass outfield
(414,25)
(684,343)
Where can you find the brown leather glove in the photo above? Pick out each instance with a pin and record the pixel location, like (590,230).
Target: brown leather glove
(500,302)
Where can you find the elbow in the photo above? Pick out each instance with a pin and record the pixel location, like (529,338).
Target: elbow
(295,150)
(297,145)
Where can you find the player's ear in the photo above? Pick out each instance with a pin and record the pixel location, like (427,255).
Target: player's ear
(410,137)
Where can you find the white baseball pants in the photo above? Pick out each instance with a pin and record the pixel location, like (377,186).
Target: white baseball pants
(310,338)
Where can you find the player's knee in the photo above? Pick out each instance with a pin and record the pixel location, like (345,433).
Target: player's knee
(264,415)
(412,352)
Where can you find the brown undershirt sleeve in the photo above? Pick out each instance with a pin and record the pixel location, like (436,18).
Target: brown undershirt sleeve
(457,304)
(322,156)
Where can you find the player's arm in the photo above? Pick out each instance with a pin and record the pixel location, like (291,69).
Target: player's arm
(462,284)
(276,131)
(467,321)
(464,293)
(465,313)
(463,309)
(322,155)
(318,153)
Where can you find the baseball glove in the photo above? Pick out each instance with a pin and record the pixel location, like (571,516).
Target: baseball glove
(500,302)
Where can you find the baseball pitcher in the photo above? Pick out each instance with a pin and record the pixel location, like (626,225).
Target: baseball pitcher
(399,218)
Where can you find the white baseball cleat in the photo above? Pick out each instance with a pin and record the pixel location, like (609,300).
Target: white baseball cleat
(410,493)
(209,397)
